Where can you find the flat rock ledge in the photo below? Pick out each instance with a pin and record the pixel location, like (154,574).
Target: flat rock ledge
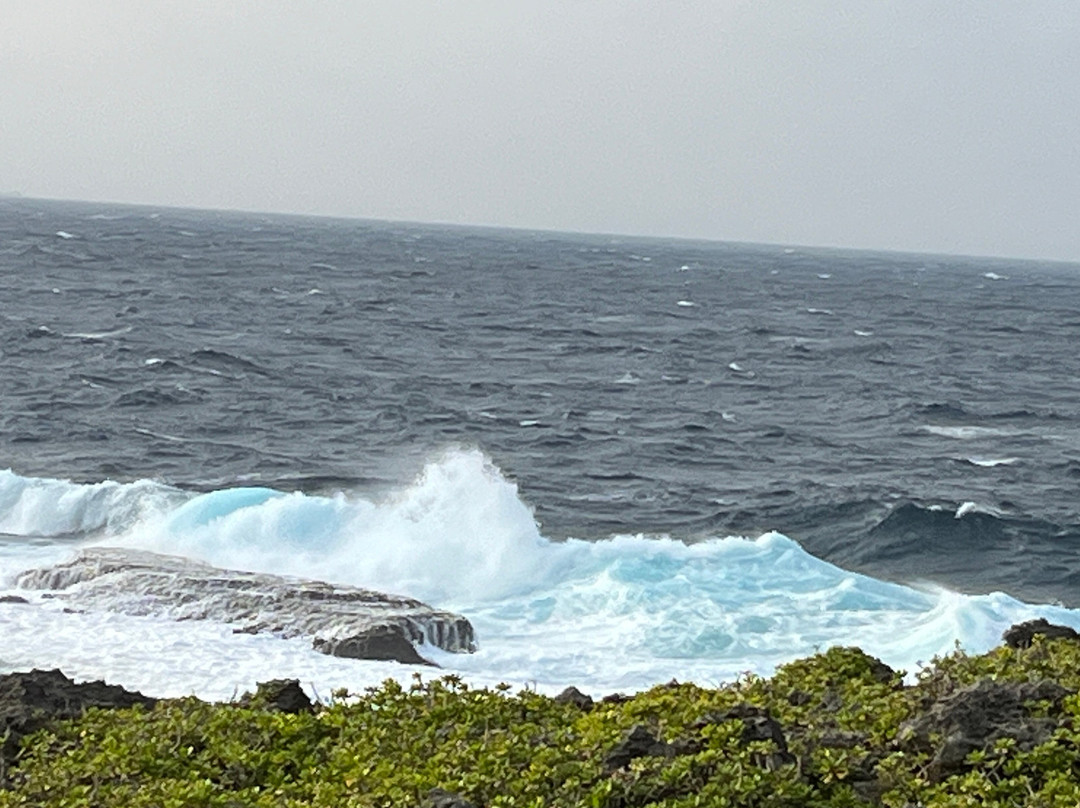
(340,620)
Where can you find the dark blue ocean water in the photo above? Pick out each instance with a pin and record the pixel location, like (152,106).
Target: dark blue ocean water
(912,417)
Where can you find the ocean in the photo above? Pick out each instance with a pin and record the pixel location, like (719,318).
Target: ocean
(624,460)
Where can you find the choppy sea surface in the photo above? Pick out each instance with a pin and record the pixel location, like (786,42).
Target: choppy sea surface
(624,460)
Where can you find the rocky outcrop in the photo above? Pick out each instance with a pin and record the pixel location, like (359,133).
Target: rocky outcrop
(572,695)
(279,696)
(438,798)
(1021,634)
(340,620)
(976,716)
(29,701)
(638,742)
(378,642)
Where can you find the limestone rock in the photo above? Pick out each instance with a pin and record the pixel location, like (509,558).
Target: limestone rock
(279,695)
(342,620)
(1021,634)
(29,701)
(572,695)
(385,642)
(438,798)
(978,715)
(638,742)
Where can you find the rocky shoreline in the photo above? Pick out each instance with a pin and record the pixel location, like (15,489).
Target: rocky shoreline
(342,621)
(837,729)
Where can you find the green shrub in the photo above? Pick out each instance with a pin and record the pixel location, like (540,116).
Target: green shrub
(841,714)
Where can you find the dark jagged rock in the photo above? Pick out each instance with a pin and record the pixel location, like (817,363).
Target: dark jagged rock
(638,742)
(385,642)
(29,701)
(572,695)
(279,695)
(880,672)
(758,725)
(975,717)
(341,620)
(438,798)
(13,599)
(1021,634)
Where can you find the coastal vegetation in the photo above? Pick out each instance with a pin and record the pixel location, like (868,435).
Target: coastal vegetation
(837,729)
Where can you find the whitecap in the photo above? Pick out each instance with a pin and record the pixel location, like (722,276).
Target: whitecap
(685,303)
(97,335)
(991,462)
(64,234)
(964,432)
(969,507)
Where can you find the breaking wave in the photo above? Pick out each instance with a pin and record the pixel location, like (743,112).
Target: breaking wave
(621,613)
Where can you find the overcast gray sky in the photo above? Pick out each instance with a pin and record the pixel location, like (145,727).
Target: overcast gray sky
(917,124)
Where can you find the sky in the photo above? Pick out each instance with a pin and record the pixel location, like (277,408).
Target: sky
(925,125)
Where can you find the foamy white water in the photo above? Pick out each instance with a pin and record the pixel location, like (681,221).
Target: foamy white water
(620,614)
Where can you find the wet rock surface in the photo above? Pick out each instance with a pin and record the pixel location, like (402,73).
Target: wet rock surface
(341,620)
(386,642)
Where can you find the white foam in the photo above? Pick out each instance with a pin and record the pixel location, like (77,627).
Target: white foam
(974,507)
(99,334)
(32,506)
(965,432)
(991,462)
